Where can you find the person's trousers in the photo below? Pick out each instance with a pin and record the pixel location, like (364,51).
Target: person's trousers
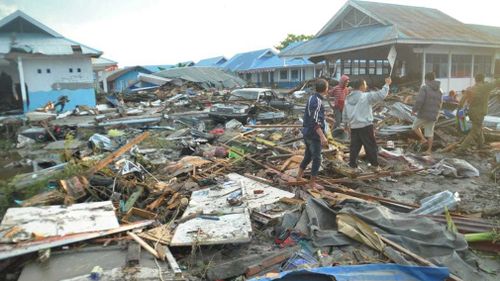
(363,137)
(475,135)
(338,117)
(312,154)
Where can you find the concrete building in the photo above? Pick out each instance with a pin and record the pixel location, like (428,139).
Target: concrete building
(38,65)
(361,34)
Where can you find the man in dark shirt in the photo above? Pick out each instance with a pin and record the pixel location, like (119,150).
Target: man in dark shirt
(314,131)
(477,99)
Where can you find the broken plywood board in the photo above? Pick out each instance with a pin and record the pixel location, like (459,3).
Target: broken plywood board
(47,221)
(219,222)
(269,194)
(254,195)
(224,229)
(12,250)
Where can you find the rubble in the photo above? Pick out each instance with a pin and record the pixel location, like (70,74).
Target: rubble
(154,180)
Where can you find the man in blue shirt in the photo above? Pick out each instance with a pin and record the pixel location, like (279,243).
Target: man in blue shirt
(314,131)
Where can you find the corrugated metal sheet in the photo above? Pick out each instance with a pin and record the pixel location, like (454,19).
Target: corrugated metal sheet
(208,77)
(258,60)
(42,44)
(215,61)
(343,40)
(119,72)
(243,61)
(493,31)
(402,24)
(424,23)
(159,67)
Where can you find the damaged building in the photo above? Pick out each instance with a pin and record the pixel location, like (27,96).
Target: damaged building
(265,68)
(39,65)
(360,35)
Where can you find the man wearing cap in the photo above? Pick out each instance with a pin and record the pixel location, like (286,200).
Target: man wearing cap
(338,93)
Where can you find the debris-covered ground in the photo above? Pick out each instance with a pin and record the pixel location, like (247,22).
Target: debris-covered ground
(185,182)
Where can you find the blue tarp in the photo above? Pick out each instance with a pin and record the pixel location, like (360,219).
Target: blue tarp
(369,272)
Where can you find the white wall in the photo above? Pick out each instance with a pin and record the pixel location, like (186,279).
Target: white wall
(457,84)
(59,71)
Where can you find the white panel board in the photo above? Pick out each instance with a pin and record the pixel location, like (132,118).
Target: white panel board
(49,221)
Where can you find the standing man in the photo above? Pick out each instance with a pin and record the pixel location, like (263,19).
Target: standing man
(358,119)
(427,106)
(477,98)
(314,131)
(339,93)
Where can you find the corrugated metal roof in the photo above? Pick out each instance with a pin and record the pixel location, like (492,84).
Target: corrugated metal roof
(493,31)
(424,23)
(41,44)
(208,77)
(102,60)
(398,24)
(337,42)
(215,61)
(265,59)
(39,40)
(244,61)
(156,68)
(119,72)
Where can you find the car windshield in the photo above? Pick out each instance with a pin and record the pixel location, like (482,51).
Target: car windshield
(246,95)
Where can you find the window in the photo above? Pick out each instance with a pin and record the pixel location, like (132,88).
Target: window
(386,67)
(39,71)
(482,65)
(249,76)
(283,74)
(71,70)
(362,67)
(347,67)
(371,67)
(79,70)
(461,65)
(379,69)
(355,67)
(47,70)
(295,74)
(437,64)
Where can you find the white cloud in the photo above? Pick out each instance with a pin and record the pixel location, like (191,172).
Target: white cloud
(6,9)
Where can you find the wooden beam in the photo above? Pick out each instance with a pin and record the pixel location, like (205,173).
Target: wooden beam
(110,158)
(144,244)
(172,262)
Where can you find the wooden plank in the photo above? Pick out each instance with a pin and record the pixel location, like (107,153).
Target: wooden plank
(161,234)
(110,158)
(13,250)
(172,262)
(144,244)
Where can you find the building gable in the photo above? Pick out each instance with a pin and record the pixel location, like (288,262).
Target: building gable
(354,18)
(19,22)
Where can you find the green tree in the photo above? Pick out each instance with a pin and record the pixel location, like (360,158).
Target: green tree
(291,38)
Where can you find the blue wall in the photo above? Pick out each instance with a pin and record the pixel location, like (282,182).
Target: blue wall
(280,85)
(76,97)
(119,86)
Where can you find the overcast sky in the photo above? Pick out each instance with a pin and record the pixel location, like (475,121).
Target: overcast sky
(134,32)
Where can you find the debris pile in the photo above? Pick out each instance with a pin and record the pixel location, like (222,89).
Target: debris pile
(164,184)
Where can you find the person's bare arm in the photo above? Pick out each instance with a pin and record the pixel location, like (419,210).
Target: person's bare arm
(322,138)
